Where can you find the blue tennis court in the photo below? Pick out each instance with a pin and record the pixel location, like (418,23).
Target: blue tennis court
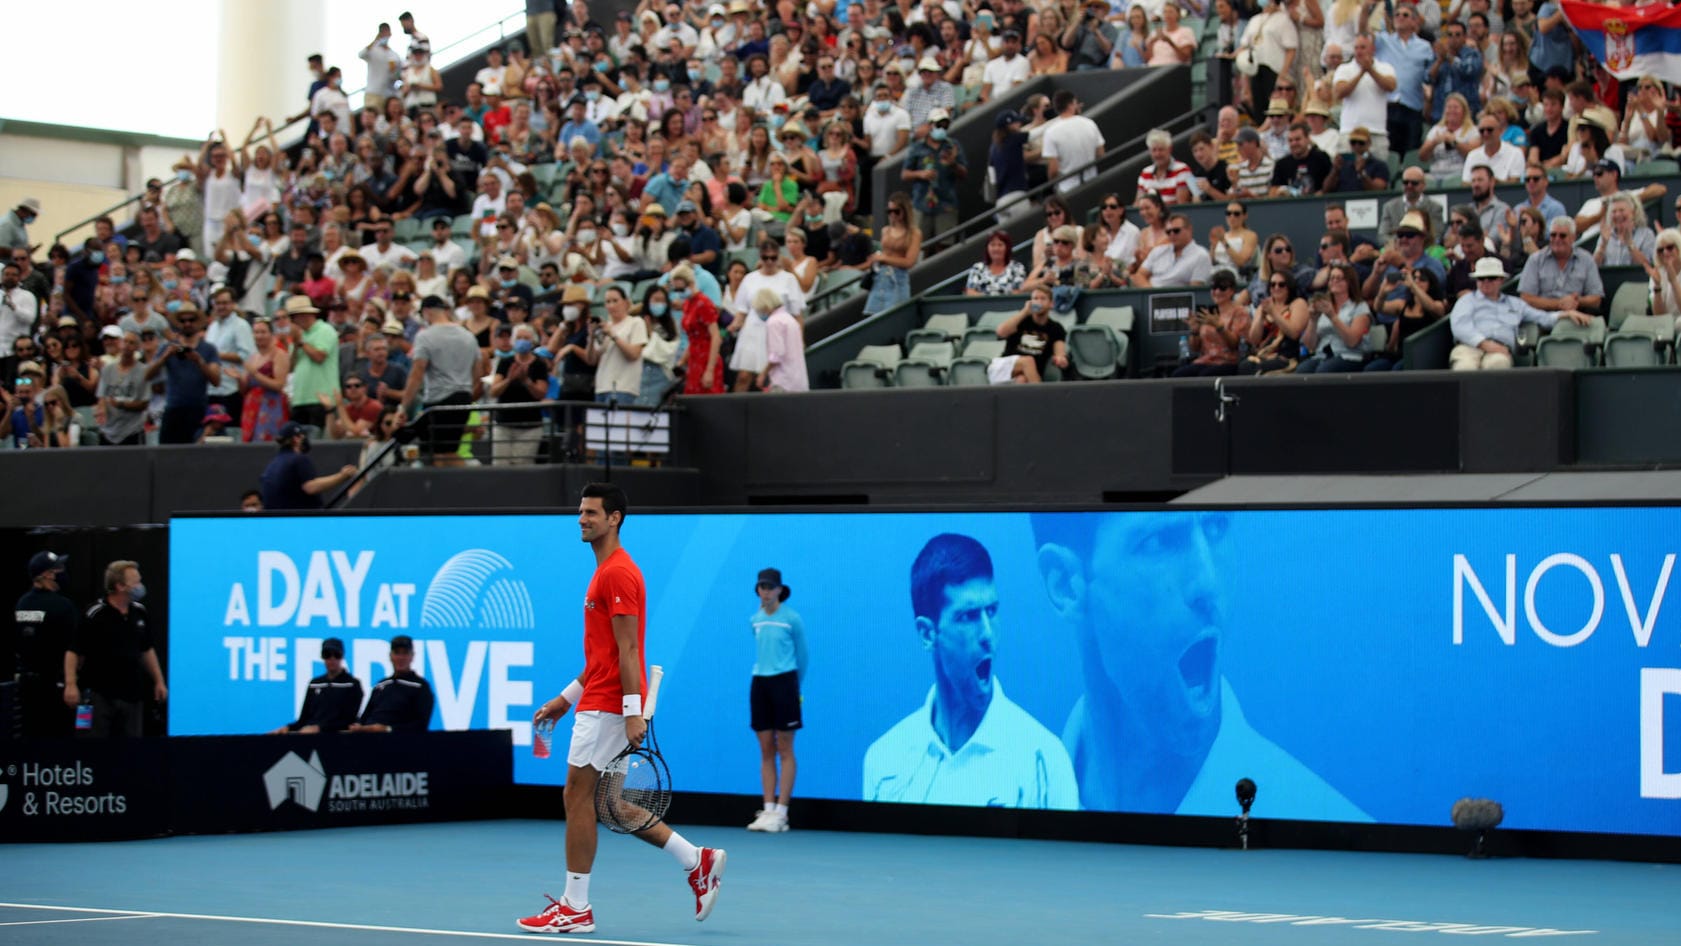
(467,882)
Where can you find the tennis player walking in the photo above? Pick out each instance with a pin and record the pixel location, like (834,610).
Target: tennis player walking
(608,695)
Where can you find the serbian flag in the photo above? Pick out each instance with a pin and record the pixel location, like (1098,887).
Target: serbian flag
(1630,41)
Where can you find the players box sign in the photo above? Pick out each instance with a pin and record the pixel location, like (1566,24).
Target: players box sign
(1358,665)
(282,782)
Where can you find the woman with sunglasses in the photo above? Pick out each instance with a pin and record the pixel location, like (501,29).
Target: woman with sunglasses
(1057,214)
(1153,212)
(1278,328)
(1277,256)
(890,266)
(1665,274)
(1122,250)
(1217,332)
(1233,246)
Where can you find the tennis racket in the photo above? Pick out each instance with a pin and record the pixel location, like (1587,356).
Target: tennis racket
(634,792)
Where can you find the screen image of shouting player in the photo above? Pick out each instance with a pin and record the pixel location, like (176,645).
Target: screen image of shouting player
(608,696)
(1159,727)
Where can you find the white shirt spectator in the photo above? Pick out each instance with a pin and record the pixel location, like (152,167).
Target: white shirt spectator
(487,210)
(681,33)
(616,373)
(1507,163)
(397,255)
(490,79)
(1123,246)
(1005,74)
(1073,141)
(1575,166)
(883,130)
(1272,35)
(329,99)
(1191,266)
(785,284)
(18,309)
(449,257)
(601,111)
(383,69)
(762,94)
(1368,105)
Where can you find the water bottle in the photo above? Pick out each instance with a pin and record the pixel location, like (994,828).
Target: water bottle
(84,716)
(542,738)
(1184,348)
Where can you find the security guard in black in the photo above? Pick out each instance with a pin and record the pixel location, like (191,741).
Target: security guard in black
(333,699)
(401,702)
(46,624)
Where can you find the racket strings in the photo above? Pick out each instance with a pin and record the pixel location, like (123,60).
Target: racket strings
(634,794)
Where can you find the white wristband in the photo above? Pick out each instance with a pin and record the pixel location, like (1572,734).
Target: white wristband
(572,692)
(633,705)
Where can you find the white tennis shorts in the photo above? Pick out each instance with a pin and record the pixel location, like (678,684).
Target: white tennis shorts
(597,738)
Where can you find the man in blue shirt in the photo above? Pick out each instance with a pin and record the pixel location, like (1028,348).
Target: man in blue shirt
(1551,48)
(705,248)
(667,187)
(967,744)
(579,126)
(1535,189)
(1458,68)
(1485,322)
(289,480)
(191,366)
(1411,57)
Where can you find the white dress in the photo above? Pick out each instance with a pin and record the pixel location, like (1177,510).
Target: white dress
(221,195)
(750,354)
(261,193)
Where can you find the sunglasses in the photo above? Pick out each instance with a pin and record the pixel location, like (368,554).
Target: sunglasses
(1284,88)
(1279,284)
(1326,245)
(1280,249)
(1533,178)
(1234,213)
(1071,242)
(1409,183)
(1488,131)
(1488,278)
(352,384)
(1053,213)
(1666,249)
(1407,234)
(503,226)
(1172,231)
(1111,206)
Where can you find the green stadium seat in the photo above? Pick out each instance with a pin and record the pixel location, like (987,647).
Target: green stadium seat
(924,336)
(873,368)
(1656,167)
(1119,318)
(1555,352)
(1591,335)
(1629,299)
(407,229)
(1093,351)
(462,227)
(968,372)
(1631,350)
(985,345)
(950,325)
(991,320)
(544,174)
(1660,327)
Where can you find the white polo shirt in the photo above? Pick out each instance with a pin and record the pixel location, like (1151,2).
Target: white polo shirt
(1011,761)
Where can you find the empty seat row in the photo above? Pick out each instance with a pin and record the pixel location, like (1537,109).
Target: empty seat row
(948,350)
(1640,341)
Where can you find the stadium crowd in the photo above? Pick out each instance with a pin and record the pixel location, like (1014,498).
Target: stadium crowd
(621,210)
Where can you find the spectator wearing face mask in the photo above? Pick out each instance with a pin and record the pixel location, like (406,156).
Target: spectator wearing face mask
(520,378)
(14,227)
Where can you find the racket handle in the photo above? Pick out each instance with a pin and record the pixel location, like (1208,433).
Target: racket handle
(654,674)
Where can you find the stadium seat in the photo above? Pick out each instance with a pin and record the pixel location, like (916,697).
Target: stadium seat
(544,175)
(406,229)
(1656,167)
(987,347)
(1630,299)
(1660,327)
(873,368)
(925,366)
(991,320)
(968,372)
(1065,319)
(1556,352)
(920,336)
(1591,335)
(938,354)
(977,335)
(462,227)
(1093,350)
(950,325)
(1631,350)
(1118,318)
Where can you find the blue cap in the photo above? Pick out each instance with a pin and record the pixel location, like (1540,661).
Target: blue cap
(42,562)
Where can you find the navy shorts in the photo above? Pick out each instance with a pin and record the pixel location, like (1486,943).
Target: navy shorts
(775,702)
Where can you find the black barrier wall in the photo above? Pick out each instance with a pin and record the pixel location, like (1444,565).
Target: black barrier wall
(88,790)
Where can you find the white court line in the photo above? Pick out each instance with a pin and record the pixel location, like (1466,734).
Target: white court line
(80,919)
(318,924)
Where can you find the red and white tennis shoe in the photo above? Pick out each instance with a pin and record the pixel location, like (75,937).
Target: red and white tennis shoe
(558,917)
(704,880)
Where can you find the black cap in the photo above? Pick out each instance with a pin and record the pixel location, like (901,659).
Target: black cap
(772,577)
(332,647)
(1606,164)
(289,430)
(433,302)
(42,562)
(1008,116)
(402,642)
(444,222)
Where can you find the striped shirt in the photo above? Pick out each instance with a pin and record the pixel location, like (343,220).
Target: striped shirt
(1166,184)
(1252,180)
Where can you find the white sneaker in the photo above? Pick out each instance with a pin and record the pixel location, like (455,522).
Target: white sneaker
(778,823)
(762,819)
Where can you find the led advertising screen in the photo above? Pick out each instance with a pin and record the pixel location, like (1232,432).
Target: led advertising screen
(1358,665)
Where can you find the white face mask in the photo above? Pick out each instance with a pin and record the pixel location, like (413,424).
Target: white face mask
(620,229)
(573,311)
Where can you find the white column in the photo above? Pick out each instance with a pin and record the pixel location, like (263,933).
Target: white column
(264,45)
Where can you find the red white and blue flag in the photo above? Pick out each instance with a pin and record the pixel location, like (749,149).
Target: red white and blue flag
(1630,41)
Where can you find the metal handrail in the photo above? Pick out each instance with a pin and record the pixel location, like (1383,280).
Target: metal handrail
(1029,197)
(409,433)
(501,32)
